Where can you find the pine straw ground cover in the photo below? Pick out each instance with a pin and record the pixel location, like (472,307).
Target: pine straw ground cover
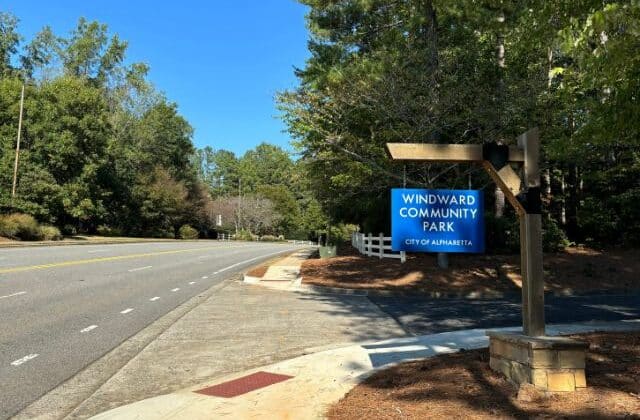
(462,385)
(573,270)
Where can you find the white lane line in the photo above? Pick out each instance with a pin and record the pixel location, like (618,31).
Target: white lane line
(175,290)
(205,277)
(140,268)
(89,328)
(248,261)
(25,359)
(12,295)
(97,250)
(153,299)
(126,311)
(192,283)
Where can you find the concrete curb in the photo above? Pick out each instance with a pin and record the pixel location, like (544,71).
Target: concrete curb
(323,378)
(88,242)
(470,296)
(26,244)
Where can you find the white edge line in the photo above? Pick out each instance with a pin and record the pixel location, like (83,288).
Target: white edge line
(12,295)
(126,311)
(153,299)
(24,359)
(89,328)
(249,260)
(175,290)
(138,269)
(192,282)
(205,277)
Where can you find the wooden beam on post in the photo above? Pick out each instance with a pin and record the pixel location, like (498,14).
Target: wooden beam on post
(504,179)
(444,152)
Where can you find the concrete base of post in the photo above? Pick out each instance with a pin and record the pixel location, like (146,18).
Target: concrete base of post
(549,363)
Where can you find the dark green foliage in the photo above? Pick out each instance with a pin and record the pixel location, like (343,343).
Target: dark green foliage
(553,237)
(100,147)
(430,71)
(187,232)
(104,230)
(502,234)
(264,173)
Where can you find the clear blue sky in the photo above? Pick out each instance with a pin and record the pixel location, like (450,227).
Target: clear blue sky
(221,61)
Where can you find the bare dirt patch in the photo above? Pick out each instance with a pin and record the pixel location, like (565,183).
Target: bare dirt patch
(462,385)
(574,270)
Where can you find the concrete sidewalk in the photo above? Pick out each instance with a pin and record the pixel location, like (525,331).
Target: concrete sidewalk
(238,327)
(320,379)
(283,274)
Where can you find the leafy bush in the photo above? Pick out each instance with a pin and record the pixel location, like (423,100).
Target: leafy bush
(187,232)
(69,230)
(244,235)
(553,237)
(502,234)
(20,226)
(270,238)
(341,233)
(104,230)
(50,233)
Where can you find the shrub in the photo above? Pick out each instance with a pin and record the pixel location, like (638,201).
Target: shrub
(502,234)
(341,233)
(553,237)
(244,235)
(270,238)
(50,233)
(20,226)
(104,230)
(69,230)
(187,232)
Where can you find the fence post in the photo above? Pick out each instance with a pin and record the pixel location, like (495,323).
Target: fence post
(381,246)
(370,248)
(403,257)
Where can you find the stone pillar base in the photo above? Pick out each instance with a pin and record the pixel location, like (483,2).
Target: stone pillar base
(549,363)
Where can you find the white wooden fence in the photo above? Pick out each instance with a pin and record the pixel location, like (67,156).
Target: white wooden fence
(376,246)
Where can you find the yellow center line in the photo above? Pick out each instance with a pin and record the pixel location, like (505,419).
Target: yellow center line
(105,259)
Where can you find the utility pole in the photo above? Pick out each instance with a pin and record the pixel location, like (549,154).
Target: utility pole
(239,205)
(15,166)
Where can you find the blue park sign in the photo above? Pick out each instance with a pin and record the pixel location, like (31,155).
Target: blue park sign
(437,220)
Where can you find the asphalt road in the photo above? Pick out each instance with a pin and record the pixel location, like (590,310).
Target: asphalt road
(63,307)
(429,316)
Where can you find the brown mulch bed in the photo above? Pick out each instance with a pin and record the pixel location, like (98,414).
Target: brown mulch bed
(462,385)
(258,271)
(573,270)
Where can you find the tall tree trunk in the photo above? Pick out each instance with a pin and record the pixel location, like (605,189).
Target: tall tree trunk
(500,57)
(430,34)
(572,201)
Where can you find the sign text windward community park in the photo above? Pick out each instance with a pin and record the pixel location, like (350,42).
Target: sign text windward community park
(437,220)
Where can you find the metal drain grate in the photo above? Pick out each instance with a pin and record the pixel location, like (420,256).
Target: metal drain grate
(243,385)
